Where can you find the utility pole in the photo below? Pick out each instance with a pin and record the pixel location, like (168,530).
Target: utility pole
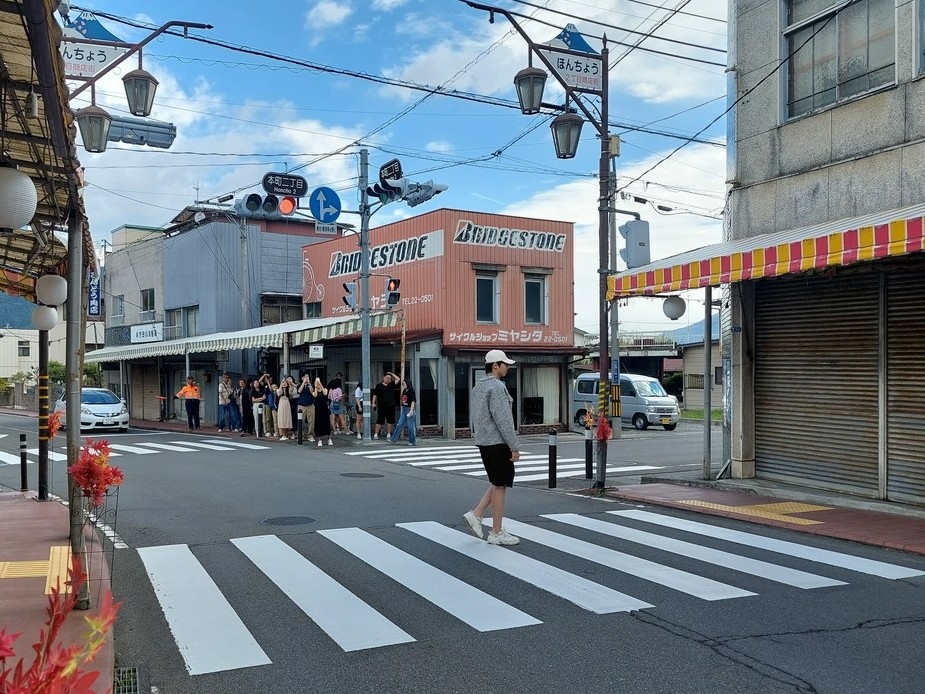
(365,214)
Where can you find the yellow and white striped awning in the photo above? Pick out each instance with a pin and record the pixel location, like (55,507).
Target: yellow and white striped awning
(268,336)
(844,242)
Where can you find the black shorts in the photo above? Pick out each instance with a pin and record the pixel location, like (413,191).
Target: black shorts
(498,464)
(385,415)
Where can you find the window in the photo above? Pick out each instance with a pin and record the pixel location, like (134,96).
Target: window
(718,375)
(280,309)
(486,297)
(535,300)
(313,309)
(118,305)
(694,381)
(191,321)
(147,305)
(836,55)
(181,322)
(23,348)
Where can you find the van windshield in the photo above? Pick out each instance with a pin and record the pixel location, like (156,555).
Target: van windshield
(653,388)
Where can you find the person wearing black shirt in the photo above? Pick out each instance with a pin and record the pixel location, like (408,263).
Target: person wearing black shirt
(384,397)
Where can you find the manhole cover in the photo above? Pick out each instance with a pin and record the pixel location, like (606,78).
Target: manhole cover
(288,520)
(360,474)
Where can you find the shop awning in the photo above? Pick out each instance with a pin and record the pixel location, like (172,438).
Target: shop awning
(844,242)
(267,336)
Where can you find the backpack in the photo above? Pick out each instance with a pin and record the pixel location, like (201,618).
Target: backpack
(271,399)
(336,394)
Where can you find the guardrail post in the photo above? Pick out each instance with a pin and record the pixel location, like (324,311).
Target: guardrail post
(589,453)
(24,477)
(553,440)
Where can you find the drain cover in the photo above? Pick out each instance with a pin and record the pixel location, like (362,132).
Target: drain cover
(360,474)
(288,520)
(126,681)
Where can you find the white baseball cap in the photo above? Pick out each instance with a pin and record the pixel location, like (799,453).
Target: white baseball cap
(497,355)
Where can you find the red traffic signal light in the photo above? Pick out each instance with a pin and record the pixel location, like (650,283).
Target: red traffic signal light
(392,295)
(288,204)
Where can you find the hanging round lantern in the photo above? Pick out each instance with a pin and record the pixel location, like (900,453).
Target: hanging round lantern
(51,290)
(44,317)
(674,307)
(18,199)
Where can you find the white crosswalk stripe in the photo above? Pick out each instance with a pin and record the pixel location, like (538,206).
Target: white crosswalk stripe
(466,460)
(211,636)
(205,446)
(167,446)
(142,448)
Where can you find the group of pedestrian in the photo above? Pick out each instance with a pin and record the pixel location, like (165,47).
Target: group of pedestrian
(390,392)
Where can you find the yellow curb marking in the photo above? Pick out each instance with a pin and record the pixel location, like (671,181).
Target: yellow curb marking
(54,570)
(778,511)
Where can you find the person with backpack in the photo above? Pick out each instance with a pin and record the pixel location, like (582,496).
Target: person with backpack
(337,405)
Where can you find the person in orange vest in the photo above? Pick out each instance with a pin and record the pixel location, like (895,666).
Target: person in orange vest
(191,393)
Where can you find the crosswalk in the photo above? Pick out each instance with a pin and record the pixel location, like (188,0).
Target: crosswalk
(144,448)
(466,460)
(211,636)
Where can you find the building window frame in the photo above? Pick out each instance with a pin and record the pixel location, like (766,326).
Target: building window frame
(487,297)
(147,305)
(24,348)
(834,32)
(536,300)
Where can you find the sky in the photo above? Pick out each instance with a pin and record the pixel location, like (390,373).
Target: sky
(303,85)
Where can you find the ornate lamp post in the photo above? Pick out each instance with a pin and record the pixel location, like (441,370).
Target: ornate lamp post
(566,128)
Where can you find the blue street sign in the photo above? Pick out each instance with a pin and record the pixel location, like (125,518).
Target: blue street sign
(324,205)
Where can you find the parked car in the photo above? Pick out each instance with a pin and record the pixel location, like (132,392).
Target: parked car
(643,401)
(100,408)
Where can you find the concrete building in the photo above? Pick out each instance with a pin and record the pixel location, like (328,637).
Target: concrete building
(822,271)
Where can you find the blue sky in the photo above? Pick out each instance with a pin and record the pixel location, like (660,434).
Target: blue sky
(241,113)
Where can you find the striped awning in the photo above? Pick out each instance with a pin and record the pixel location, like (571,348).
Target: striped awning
(844,242)
(267,336)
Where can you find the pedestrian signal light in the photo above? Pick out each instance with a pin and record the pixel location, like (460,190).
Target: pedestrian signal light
(392,295)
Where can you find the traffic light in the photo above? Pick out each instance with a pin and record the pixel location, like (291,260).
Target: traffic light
(350,298)
(266,206)
(392,295)
(636,252)
(422,192)
(389,190)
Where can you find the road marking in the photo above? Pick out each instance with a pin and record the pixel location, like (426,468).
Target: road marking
(438,450)
(763,569)
(125,448)
(51,454)
(210,635)
(629,468)
(239,444)
(698,586)
(207,446)
(776,511)
(584,593)
(822,556)
(166,447)
(352,623)
(465,602)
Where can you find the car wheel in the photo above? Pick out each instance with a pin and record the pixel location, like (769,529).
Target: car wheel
(640,421)
(581,417)
(671,427)
(124,430)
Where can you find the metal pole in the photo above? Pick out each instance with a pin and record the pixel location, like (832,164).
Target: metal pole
(553,440)
(707,378)
(603,175)
(245,288)
(365,214)
(589,453)
(43,415)
(23,469)
(614,318)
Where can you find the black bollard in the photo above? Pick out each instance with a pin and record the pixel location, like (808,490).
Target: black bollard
(589,454)
(299,415)
(553,438)
(258,425)
(24,478)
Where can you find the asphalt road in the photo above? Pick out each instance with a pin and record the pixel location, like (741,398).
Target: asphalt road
(348,569)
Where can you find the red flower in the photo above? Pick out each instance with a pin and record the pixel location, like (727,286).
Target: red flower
(93,473)
(6,643)
(54,423)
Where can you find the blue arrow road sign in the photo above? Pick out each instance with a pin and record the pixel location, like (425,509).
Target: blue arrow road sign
(324,205)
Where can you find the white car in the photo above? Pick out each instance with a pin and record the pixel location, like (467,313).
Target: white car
(100,408)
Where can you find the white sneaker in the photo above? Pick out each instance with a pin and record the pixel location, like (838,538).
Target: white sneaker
(320,444)
(219,431)
(269,436)
(283,438)
(359,436)
(375,437)
(475,524)
(502,538)
(330,441)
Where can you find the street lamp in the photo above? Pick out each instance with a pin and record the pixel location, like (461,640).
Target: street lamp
(140,86)
(590,78)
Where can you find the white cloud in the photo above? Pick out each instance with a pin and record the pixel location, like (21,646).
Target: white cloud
(439,146)
(388,5)
(325,14)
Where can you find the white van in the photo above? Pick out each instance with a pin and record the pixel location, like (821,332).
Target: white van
(643,401)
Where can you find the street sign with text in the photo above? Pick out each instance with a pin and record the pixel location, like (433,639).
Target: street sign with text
(581,73)
(390,170)
(285,184)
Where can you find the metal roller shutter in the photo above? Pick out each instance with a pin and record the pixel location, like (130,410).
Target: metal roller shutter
(816,382)
(905,384)
(145,403)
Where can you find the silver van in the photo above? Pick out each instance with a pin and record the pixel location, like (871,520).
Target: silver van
(643,401)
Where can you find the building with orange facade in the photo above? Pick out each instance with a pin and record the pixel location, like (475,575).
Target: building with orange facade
(470,282)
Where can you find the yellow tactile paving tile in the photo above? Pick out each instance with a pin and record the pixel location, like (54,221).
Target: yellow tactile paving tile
(776,511)
(23,569)
(59,560)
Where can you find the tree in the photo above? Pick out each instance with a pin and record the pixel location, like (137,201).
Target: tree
(57,374)
(93,375)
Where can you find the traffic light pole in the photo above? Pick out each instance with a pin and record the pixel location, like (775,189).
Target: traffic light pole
(366,369)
